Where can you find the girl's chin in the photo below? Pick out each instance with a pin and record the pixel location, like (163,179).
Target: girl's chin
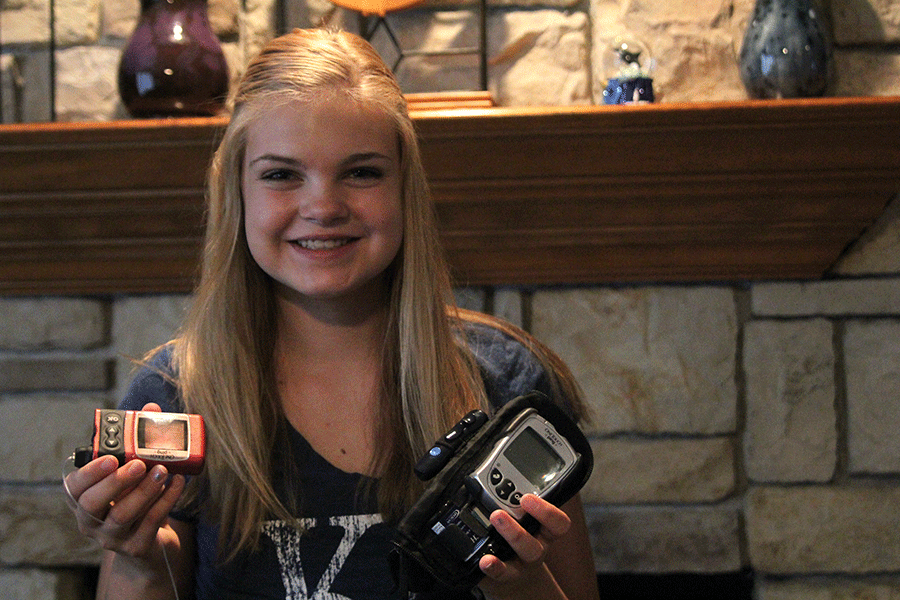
(336,291)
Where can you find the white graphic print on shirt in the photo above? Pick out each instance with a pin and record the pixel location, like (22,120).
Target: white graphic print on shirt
(286,538)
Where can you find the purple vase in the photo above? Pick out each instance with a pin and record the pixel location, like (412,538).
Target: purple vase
(173,64)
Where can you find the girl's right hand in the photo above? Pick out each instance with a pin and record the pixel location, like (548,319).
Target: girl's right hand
(124,508)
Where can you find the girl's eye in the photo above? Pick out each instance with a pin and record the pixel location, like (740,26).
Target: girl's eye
(278,175)
(365,174)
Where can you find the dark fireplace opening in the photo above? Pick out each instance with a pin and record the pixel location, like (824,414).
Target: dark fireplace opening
(676,586)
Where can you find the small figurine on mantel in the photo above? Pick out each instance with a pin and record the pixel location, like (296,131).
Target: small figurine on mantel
(628,65)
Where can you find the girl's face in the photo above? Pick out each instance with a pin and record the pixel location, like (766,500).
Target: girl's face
(321,190)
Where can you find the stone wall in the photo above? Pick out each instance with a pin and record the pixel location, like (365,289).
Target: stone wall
(735,426)
(750,425)
(540,52)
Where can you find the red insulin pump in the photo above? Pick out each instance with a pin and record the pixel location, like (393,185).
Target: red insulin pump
(175,440)
(530,446)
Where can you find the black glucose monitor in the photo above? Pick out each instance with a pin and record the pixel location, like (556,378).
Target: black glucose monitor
(529,447)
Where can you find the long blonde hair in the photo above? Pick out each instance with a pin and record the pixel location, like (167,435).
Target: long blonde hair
(223,355)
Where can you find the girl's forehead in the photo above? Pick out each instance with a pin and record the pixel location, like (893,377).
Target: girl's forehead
(332,109)
(325,100)
(320,119)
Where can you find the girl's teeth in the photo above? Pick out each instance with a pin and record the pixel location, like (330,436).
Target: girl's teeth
(322,244)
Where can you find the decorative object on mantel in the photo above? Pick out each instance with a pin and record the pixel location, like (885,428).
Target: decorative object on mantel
(786,52)
(373,18)
(379,8)
(628,65)
(173,64)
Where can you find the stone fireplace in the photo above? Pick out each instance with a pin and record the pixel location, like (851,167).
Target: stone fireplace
(746,423)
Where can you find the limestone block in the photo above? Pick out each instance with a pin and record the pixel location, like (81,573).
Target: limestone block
(867,72)
(37,528)
(51,323)
(428,31)
(665,539)
(470,298)
(827,298)
(791,426)
(39,432)
(695,67)
(878,250)
(41,584)
(28,24)
(19,4)
(866,21)
(539,58)
(120,17)
(834,589)
(666,14)
(224,16)
(86,85)
(508,306)
(872,357)
(234,58)
(257,25)
(77,22)
(819,529)
(67,373)
(140,324)
(650,471)
(648,359)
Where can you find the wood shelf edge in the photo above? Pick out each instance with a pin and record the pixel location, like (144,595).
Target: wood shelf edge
(768,176)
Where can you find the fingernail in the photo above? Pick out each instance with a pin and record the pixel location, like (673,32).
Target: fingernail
(158,474)
(488,566)
(136,468)
(109,464)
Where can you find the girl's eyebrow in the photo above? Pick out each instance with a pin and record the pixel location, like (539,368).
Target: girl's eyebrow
(363,156)
(353,158)
(275,158)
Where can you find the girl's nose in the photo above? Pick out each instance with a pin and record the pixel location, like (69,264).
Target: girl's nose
(324,205)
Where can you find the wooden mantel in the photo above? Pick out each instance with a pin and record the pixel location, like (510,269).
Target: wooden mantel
(689,192)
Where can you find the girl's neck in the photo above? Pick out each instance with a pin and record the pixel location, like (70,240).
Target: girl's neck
(331,329)
(329,377)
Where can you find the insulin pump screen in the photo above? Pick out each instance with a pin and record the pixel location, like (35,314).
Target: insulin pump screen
(162,435)
(534,458)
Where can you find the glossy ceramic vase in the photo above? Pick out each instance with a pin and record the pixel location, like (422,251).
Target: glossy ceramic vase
(786,51)
(173,64)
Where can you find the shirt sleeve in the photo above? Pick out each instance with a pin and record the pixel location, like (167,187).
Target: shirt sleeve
(154,382)
(508,368)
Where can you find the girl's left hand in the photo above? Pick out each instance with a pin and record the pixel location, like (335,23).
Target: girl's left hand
(528,572)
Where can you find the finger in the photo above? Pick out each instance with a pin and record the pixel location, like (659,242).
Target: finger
(495,568)
(96,499)
(528,547)
(555,523)
(131,508)
(145,534)
(152,407)
(90,474)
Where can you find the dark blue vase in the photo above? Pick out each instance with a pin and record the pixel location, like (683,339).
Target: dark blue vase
(786,52)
